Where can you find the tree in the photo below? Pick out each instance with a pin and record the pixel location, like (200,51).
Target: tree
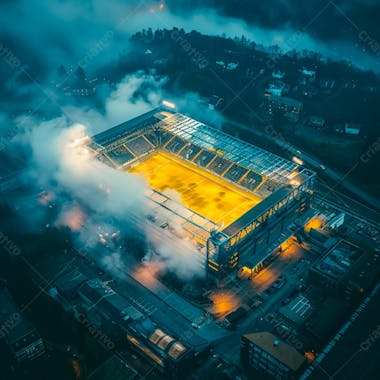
(62,72)
(79,73)
(149,34)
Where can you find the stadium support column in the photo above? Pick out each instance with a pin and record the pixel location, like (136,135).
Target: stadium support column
(212,265)
(215,245)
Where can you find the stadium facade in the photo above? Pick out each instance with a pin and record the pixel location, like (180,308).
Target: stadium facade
(234,200)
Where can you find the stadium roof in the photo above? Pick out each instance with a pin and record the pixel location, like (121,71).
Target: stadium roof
(110,135)
(227,146)
(239,151)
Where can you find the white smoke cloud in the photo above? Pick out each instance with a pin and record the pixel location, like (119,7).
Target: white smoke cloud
(60,157)
(96,201)
(123,103)
(176,251)
(136,94)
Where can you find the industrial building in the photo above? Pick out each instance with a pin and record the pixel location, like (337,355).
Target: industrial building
(265,353)
(112,320)
(345,268)
(235,201)
(23,340)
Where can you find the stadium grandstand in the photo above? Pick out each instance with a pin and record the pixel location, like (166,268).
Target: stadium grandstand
(226,194)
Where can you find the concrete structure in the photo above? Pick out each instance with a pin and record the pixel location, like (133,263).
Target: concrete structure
(160,346)
(257,194)
(266,353)
(112,320)
(347,269)
(336,221)
(298,310)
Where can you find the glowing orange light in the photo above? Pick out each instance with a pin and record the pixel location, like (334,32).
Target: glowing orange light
(45,198)
(244,273)
(102,239)
(315,223)
(77,369)
(73,218)
(294,183)
(168,104)
(224,303)
(310,356)
(147,273)
(265,278)
(297,160)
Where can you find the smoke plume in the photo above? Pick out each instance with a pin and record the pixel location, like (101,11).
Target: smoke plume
(97,202)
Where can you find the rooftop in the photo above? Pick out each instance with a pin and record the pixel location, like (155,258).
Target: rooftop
(281,351)
(298,310)
(327,318)
(338,261)
(114,368)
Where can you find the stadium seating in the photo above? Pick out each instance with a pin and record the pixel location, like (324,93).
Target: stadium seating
(139,146)
(120,155)
(189,152)
(220,165)
(152,138)
(94,146)
(103,158)
(204,158)
(251,180)
(165,137)
(175,144)
(235,173)
(267,188)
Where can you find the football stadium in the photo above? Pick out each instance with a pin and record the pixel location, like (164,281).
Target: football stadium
(235,201)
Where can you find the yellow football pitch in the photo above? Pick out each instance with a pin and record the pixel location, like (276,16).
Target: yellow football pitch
(197,189)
